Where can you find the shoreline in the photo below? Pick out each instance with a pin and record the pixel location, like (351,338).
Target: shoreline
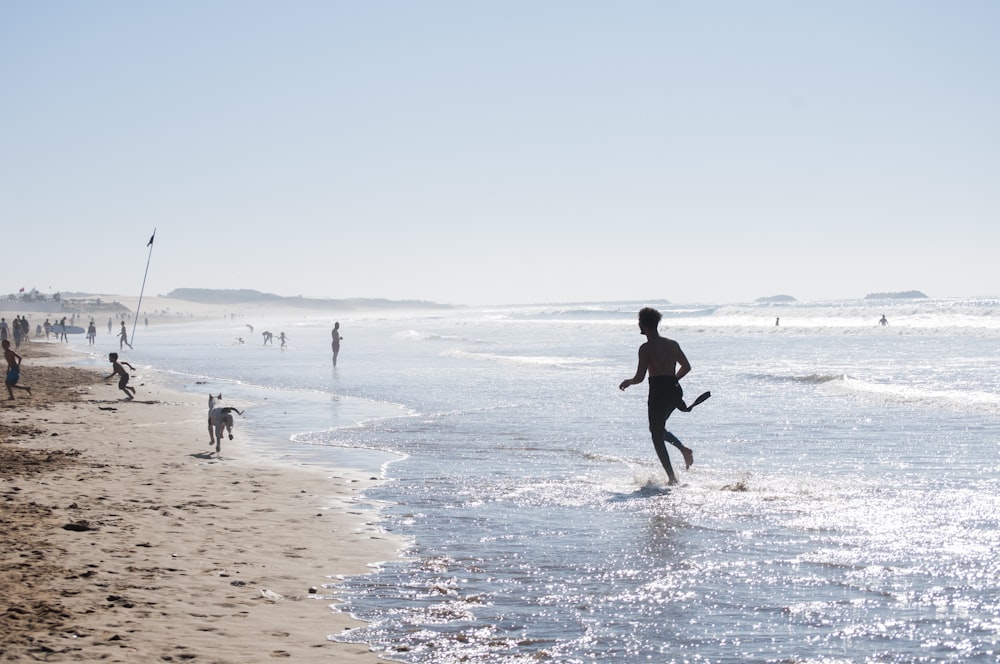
(127,542)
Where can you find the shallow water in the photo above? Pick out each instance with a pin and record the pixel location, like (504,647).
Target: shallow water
(843,505)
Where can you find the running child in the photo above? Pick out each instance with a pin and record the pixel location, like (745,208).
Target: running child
(13,370)
(123,375)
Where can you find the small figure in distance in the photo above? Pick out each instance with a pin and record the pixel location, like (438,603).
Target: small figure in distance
(268,337)
(18,332)
(883,322)
(777,321)
(666,364)
(25,329)
(283,339)
(92,333)
(13,370)
(335,344)
(123,375)
(123,337)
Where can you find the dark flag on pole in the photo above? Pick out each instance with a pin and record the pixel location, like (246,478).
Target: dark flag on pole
(138,305)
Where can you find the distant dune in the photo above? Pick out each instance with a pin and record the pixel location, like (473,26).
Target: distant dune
(904,295)
(772,299)
(199,303)
(245,296)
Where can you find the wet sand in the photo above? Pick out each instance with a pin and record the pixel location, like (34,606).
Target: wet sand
(126,539)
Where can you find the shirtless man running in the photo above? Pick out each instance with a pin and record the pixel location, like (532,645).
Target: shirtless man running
(666,364)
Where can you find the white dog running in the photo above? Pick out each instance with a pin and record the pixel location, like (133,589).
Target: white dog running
(220,418)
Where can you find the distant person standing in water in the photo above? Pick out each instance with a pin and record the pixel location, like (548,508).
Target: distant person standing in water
(123,337)
(92,332)
(883,322)
(666,364)
(335,344)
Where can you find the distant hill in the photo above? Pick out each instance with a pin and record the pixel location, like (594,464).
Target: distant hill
(904,295)
(772,299)
(247,296)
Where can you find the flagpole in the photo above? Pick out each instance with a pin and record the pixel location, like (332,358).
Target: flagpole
(138,305)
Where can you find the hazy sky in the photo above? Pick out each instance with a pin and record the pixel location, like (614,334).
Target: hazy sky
(502,152)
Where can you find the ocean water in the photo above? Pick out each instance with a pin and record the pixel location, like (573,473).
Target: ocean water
(843,507)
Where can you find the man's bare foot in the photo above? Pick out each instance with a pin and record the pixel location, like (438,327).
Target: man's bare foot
(688,456)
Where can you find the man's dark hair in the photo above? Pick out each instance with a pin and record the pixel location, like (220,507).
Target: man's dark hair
(649,317)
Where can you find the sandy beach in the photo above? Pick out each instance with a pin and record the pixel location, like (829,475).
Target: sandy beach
(127,540)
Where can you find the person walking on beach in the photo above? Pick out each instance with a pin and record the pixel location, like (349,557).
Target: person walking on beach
(25,330)
(283,339)
(123,337)
(123,375)
(13,370)
(666,364)
(92,332)
(335,345)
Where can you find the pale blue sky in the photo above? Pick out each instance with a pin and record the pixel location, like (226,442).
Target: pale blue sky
(502,152)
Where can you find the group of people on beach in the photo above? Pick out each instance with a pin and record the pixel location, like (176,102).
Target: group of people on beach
(283,338)
(660,357)
(14,372)
(269,338)
(19,329)
(220,419)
